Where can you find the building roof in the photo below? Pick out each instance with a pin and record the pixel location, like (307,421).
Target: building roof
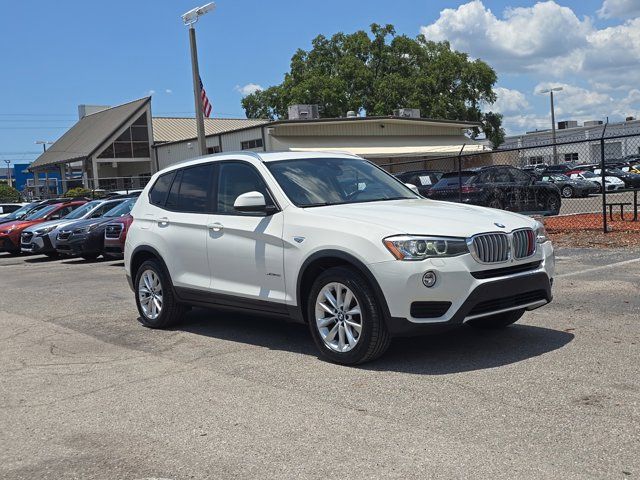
(86,136)
(175,129)
(388,118)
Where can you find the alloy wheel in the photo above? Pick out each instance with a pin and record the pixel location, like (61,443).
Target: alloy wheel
(150,294)
(338,317)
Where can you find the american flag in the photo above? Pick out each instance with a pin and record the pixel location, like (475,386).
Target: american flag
(206,105)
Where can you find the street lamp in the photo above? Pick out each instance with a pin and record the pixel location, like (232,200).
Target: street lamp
(553,122)
(8,162)
(190,18)
(44,144)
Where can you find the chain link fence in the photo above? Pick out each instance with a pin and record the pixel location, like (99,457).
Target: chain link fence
(576,185)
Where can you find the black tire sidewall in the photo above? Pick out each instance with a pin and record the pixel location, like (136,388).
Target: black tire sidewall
(166,294)
(370,315)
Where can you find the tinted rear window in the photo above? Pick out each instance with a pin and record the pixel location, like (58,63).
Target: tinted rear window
(451,179)
(158,193)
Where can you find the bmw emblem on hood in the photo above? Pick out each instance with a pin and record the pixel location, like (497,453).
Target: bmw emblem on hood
(499,225)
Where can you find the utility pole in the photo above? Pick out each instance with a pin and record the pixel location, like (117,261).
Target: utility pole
(190,18)
(553,122)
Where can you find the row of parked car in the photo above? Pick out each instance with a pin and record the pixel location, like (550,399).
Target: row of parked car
(71,227)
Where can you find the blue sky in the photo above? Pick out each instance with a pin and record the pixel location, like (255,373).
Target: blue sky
(56,55)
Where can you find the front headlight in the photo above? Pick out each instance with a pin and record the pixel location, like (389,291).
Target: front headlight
(413,247)
(541,233)
(45,230)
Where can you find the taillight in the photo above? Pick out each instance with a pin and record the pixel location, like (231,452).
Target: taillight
(469,189)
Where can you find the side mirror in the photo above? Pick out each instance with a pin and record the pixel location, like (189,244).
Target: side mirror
(251,202)
(413,188)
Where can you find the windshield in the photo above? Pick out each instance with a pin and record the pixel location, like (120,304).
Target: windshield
(450,180)
(39,214)
(122,209)
(588,175)
(331,181)
(18,213)
(83,210)
(560,178)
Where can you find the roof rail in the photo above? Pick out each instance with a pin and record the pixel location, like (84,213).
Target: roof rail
(252,153)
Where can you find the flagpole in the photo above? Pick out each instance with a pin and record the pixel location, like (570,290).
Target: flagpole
(197,91)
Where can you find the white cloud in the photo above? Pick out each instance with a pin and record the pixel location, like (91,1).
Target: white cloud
(546,39)
(168,91)
(248,89)
(619,9)
(522,40)
(508,101)
(577,103)
(151,92)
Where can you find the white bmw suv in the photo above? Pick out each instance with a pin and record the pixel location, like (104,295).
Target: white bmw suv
(333,241)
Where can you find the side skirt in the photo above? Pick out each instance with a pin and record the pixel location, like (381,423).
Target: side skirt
(201,298)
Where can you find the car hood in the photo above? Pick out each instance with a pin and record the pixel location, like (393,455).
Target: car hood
(86,223)
(50,223)
(582,183)
(428,217)
(612,179)
(5,227)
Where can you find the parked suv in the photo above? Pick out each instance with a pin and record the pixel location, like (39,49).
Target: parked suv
(499,186)
(331,240)
(422,179)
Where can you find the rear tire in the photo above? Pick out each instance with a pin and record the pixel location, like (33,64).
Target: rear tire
(156,304)
(345,318)
(567,192)
(553,204)
(52,254)
(501,320)
(90,256)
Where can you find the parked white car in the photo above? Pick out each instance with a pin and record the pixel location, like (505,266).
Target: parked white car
(7,208)
(612,183)
(331,240)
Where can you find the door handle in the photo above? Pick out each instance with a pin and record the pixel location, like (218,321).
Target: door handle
(216,227)
(163,222)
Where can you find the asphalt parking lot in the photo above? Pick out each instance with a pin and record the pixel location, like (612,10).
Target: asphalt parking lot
(87,393)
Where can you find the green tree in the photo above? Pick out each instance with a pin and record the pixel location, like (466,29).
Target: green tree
(9,194)
(380,72)
(77,192)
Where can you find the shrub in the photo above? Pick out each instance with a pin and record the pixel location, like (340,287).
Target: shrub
(9,194)
(78,192)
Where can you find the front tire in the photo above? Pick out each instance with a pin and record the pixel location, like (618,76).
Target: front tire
(501,320)
(553,204)
(345,318)
(156,304)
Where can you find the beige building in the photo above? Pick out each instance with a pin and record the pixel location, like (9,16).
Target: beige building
(118,148)
(381,139)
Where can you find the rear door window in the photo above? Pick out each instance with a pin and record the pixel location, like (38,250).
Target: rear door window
(159,191)
(191,190)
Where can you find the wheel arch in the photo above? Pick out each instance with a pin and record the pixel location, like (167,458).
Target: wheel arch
(323,260)
(143,253)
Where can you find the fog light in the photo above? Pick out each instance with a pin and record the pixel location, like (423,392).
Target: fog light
(429,279)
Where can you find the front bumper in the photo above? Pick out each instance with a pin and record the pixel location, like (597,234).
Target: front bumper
(458,296)
(8,243)
(38,244)
(78,244)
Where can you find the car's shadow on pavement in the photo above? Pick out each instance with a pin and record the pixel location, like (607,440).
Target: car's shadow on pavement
(41,259)
(458,350)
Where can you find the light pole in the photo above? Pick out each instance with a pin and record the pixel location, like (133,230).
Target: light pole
(553,122)
(8,162)
(44,144)
(190,18)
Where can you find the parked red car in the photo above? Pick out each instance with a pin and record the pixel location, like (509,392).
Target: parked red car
(10,232)
(115,235)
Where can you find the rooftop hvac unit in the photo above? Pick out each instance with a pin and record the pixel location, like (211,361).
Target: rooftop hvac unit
(407,112)
(303,112)
(593,123)
(567,124)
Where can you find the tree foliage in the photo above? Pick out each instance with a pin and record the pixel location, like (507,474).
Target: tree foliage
(77,192)
(380,72)
(9,194)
